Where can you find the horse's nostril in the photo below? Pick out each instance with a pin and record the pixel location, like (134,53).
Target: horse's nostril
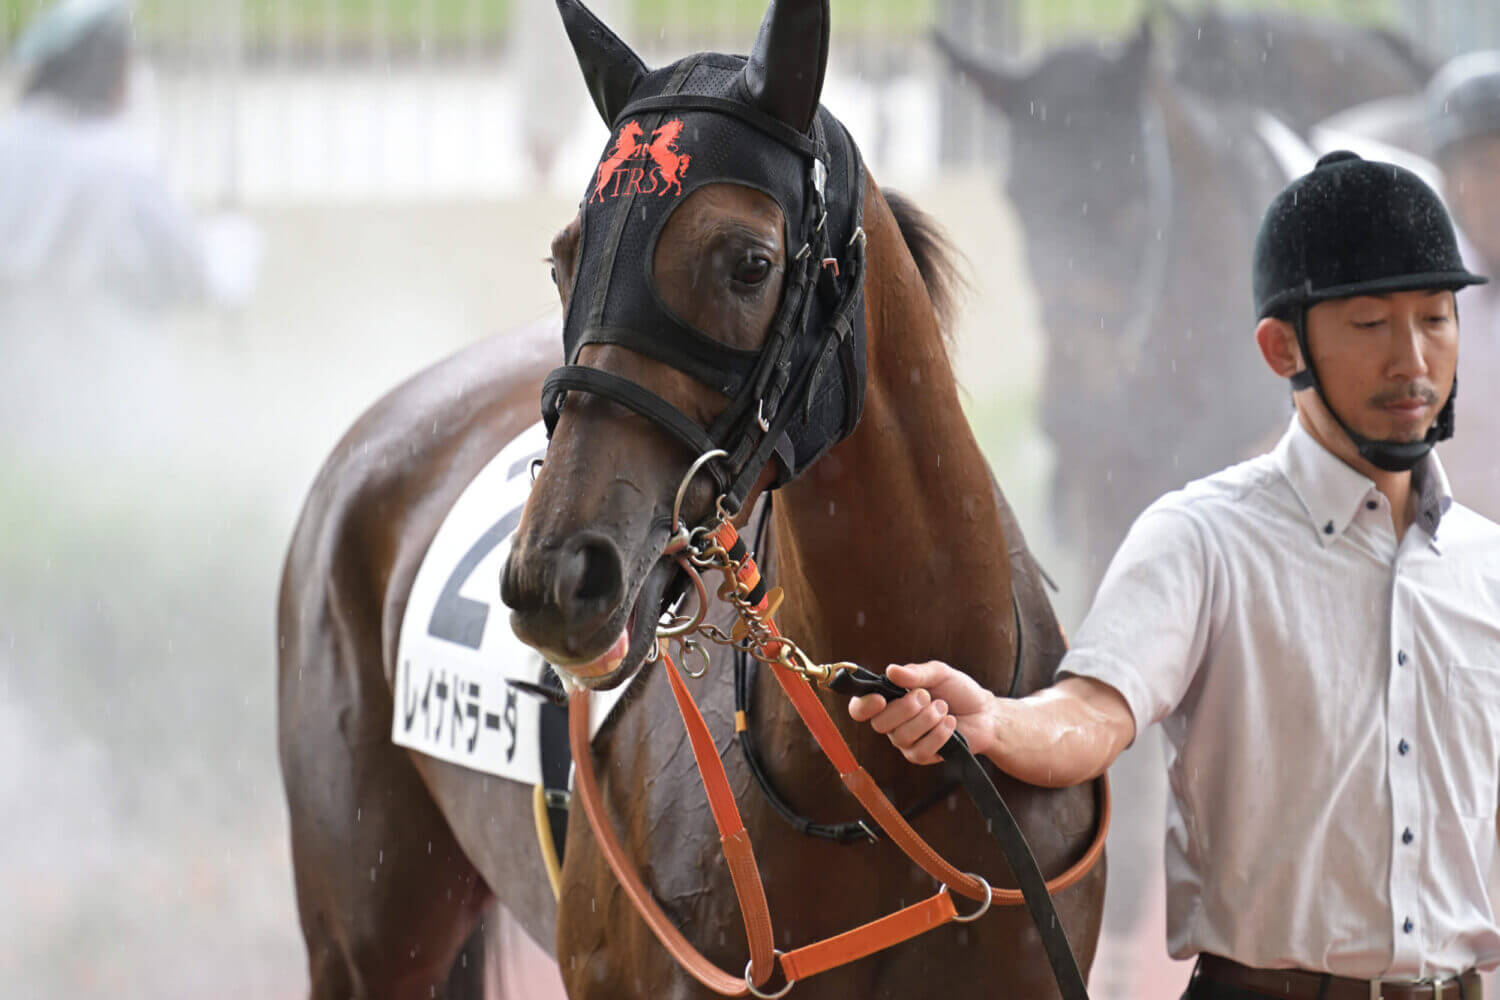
(589,578)
(596,578)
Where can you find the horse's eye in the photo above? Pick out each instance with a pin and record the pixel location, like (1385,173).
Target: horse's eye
(751,269)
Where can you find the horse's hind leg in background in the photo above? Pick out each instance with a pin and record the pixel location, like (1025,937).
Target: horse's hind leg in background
(386,897)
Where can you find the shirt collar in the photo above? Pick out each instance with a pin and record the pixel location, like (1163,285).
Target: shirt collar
(1332,492)
(1434,496)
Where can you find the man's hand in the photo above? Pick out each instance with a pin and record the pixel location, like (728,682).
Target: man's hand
(939,699)
(1058,736)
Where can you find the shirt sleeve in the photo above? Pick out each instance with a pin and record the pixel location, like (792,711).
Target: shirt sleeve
(1149,627)
(166,246)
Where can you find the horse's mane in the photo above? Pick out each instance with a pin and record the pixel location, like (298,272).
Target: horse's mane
(938,260)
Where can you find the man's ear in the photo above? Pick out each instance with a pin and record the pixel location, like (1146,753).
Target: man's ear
(1278,345)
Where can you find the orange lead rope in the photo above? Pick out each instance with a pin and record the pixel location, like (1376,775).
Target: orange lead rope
(852,945)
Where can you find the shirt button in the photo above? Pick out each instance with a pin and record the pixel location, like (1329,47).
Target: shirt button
(1408,926)
(1407,836)
(1328,528)
(1371,505)
(1401,658)
(1403,747)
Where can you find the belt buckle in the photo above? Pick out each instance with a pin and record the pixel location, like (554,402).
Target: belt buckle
(1438,985)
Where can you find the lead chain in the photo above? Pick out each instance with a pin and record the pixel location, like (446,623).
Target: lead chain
(707,554)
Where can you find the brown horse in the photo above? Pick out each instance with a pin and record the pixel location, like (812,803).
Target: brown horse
(895,545)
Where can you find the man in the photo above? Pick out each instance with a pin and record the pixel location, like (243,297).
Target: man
(1318,631)
(83,207)
(1463,117)
(94,249)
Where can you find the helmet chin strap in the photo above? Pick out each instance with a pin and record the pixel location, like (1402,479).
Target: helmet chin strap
(1391,456)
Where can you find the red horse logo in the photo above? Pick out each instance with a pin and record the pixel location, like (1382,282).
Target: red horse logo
(633,167)
(670,164)
(625,147)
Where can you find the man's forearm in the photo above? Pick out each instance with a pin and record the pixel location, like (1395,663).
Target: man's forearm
(1060,736)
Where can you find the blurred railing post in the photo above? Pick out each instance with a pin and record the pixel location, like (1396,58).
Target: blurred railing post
(232,53)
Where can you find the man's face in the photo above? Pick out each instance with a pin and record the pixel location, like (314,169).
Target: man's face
(1386,363)
(1472,176)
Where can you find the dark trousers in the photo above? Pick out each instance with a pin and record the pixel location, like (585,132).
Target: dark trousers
(1201,988)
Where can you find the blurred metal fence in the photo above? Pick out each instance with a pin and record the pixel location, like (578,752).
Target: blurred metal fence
(393,99)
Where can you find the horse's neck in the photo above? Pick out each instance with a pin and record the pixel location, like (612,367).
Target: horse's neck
(890,548)
(1219,162)
(1221,173)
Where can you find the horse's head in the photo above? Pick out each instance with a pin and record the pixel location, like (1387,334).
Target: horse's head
(698,317)
(1087,164)
(1077,172)
(1217,53)
(1298,67)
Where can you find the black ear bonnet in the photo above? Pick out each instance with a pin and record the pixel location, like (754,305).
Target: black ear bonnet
(684,126)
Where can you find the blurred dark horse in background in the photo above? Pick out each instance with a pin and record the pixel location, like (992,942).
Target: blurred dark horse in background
(1301,69)
(1138,201)
(1139,192)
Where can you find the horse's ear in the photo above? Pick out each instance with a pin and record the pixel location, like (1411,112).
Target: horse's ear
(1002,85)
(784,75)
(1135,61)
(1182,30)
(1180,22)
(1210,21)
(610,69)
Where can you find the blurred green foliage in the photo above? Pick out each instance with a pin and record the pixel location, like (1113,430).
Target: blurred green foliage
(413,24)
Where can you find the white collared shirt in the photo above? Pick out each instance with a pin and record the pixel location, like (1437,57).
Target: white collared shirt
(1331,703)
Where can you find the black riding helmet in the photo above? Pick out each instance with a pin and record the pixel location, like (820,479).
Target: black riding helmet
(1356,227)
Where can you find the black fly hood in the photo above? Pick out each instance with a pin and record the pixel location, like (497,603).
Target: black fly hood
(710,119)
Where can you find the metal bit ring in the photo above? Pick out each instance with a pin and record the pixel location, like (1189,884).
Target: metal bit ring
(698,463)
